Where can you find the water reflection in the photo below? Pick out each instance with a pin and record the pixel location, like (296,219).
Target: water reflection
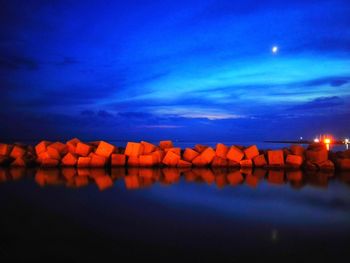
(136,178)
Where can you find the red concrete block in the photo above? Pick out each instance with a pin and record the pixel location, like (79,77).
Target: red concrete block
(233,164)
(234,154)
(259,161)
(246,163)
(48,162)
(189,154)
(133,149)
(294,160)
(118,159)
(133,161)
(176,150)
(208,154)
(19,162)
(132,182)
(221,150)
(72,144)
(166,144)
(200,148)
(97,160)
(297,149)
(105,149)
(343,164)
(171,159)
(276,176)
(60,147)
(53,153)
(83,149)
(251,152)
(219,162)
(317,156)
(84,161)
(148,147)
(147,160)
(103,182)
(235,177)
(4,149)
(199,161)
(183,164)
(276,157)
(17,152)
(41,147)
(69,159)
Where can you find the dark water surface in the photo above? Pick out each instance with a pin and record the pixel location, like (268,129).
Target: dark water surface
(174,215)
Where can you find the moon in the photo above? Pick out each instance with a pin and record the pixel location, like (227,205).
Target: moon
(274,49)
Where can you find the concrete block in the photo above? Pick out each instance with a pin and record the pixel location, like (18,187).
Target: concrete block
(19,162)
(235,177)
(104,149)
(148,147)
(200,148)
(208,155)
(53,153)
(233,164)
(133,149)
(219,162)
(84,161)
(276,158)
(49,162)
(17,152)
(147,160)
(69,159)
(317,156)
(118,159)
(4,149)
(133,161)
(41,147)
(72,144)
(251,152)
(246,163)
(221,150)
(97,160)
(294,160)
(183,164)
(103,182)
(158,156)
(60,147)
(234,154)
(83,149)
(189,154)
(297,149)
(259,161)
(166,144)
(171,159)
(199,161)
(343,164)
(176,150)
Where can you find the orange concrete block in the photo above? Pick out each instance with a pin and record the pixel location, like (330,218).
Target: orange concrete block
(133,149)
(105,149)
(297,149)
(199,161)
(221,150)
(233,164)
(294,160)
(83,149)
(97,160)
(176,150)
(60,147)
(234,154)
(132,182)
(42,156)
(276,157)
(133,161)
(208,154)
(41,147)
(251,152)
(19,162)
(103,182)
(158,156)
(84,161)
(235,177)
(246,163)
(118,159)
(171,159)
(166,144)
(276,176)
(49,162)
(317,156)
(17,152)
(219,162)
(147,160)
(189,154)
(69,159)
(53,153)
(148,147)
(72,144)
(4,149)
(259,161)
(183,164)
(200,148)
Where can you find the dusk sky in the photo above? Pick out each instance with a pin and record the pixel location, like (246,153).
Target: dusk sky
(187,70)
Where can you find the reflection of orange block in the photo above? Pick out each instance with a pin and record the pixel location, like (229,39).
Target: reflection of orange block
(72,144)
(53,153)
(148,147)
(259,161)
(149,173)
(83,149)
(49,162)
(19,162)
(234,154)
(276,157)
(83,172)
(183,164)
(220,181)
(146,160)
(17,152)
(199,161)
(234,177)
(297,149)
(17,173)
(200,148)
(344,164)
(252,180)
(190,176)
(133,149)
(208,154)
(219,162)
(69,159)
(81,181)
(4,149)
(221,150)
(176,150)
(68,172)
(60,147)
(118,159)
(207,175)
(276,176)
(105,149)
(132,182)
(97,160)
(166,144)
(251,152)
(189,154)
(133,161)
(83,161)
(246,163)
(296,175)
(41,147)
(294,160)
(260,173)
(103,182)
(171,175)
(171,159)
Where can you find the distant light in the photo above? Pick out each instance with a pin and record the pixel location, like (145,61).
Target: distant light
(301,138)
(346,141)
(274,49)
(316,140)
(327,141)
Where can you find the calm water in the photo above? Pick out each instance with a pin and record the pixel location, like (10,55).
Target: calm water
(170,214)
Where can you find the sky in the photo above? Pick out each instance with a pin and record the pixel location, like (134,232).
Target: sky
(182,70)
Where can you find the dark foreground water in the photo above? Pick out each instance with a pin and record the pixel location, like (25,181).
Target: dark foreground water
(174,215)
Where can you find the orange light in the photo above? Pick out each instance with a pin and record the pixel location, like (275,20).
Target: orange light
(327,141)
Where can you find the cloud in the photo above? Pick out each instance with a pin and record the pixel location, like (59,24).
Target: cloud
(320,103)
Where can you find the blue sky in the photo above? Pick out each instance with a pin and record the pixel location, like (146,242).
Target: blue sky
(186,70)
